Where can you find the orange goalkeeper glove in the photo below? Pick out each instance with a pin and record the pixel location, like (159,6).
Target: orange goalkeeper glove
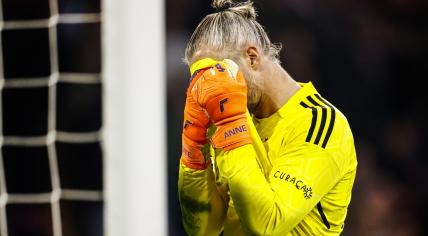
(222,92)
(194,130)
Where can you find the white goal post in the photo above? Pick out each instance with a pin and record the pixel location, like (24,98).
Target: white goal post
(134,119)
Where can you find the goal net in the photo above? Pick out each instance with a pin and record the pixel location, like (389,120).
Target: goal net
(50,83)
(81,128)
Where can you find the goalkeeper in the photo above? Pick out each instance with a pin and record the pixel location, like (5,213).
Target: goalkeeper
(286,169)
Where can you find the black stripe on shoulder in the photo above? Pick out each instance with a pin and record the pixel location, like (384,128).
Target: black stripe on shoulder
(332,120)
(313,122)
(304,104)
(310,99)
(323,217)
(323,119)
(322,126)
(324,101)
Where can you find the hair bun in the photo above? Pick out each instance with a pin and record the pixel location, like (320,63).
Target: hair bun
(245,9)
(220,5)
(222,8)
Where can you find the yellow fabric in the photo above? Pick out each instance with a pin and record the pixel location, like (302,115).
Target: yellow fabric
(203,209)
(237,197)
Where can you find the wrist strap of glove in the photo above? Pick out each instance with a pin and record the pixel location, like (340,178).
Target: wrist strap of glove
(232,135)
(192,155)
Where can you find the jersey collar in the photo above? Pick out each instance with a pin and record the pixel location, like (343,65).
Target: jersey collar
(306,90)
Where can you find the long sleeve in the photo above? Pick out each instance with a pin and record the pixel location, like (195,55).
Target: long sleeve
(203,208)
(301,175)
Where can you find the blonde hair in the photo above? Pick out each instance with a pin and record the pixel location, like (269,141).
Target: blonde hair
(227,31)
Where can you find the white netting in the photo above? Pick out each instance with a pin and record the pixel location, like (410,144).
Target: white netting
(57,193)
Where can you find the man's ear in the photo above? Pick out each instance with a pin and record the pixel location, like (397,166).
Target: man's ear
(252,57)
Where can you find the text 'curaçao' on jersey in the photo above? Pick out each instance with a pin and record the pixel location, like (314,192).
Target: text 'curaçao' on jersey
(304,189)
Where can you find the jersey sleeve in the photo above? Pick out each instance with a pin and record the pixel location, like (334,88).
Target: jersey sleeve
(274,205)
(203,208)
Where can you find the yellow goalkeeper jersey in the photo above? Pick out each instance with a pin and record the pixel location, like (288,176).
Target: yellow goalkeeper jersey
(295,179)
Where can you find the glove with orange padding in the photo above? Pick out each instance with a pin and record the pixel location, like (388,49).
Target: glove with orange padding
(222,92)
(194,140)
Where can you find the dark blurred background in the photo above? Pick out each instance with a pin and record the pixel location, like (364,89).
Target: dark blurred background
(367,57)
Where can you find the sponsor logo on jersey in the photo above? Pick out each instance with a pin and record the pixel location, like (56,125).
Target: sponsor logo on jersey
(298,183)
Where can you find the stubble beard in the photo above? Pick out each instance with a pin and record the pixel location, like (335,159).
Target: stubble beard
(254,92)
